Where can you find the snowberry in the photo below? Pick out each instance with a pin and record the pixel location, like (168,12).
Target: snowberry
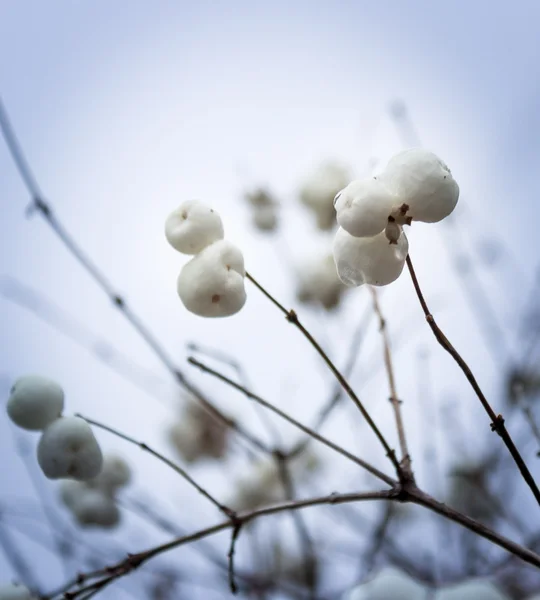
(319,191)
(363,207)
(388,583)
(260,197)
(423,182)
(68,449)
(475,589)
(95,507)
(372,260)
(71,490)
(35,402)
(198,434)
(11,591)
(211,284)
(115,473)
(192,227)
(265,218)
(318,283)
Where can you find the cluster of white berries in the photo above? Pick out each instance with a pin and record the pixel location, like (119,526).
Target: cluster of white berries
(67,447)
(264,210)
(198,435)
(211,284)
(370,245)
(93,502)
(393,583)
(319,284)
(319,190)
(12,591)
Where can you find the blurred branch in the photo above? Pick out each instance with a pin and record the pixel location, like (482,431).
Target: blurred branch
(371,469)
(395,401)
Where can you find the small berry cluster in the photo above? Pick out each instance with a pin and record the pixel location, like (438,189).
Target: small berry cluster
(370,245)
(67,447)
(198,435)
(93,502)
(211,284)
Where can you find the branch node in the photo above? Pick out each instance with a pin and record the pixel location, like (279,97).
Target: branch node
(292,317)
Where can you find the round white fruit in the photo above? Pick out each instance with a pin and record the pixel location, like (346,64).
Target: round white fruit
(192,227)
(11,591)
(389,583)
(35,402)
(69,449)
(373,260)
(421,180)
(115,473)
(363,207)
(211,284)
(95,507)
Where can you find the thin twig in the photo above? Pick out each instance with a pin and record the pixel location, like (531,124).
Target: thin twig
(292,317)
(395,401)
(177,469)
(497,421)
(368,467)
(234,537)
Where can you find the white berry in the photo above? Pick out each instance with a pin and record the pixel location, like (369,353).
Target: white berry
(95,507)
(11,591)
(320,189)
(373,260)
(211,284)
(35,402)
(363,207)
(421,180)
(192,227)
(68,449)
(318,283)
(475,589)
(71,490)
(389,583)
(115,473)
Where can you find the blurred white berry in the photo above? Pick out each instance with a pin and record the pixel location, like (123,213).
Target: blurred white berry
(474,589)
(265,218)
(68,449)
(260,197)
(211,284)
(198,435)
(35,402)
(115,473)
(320,189)
(371,260)
(12,591)
(422,181)
(389,583)
(192,227)
(363,207)
(318,283)
(71,490)
(95,507)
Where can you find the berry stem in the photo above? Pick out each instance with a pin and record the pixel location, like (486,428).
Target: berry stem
(497,421)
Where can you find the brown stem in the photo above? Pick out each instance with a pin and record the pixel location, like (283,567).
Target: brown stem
(497,421)
(394,400)
(292,317)
(410,493)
